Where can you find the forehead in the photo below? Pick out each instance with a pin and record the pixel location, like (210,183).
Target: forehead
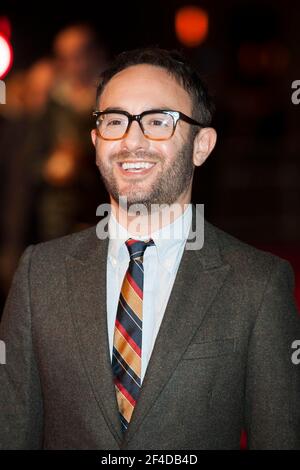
(141,87)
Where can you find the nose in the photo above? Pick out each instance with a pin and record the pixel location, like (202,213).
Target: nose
(134,139)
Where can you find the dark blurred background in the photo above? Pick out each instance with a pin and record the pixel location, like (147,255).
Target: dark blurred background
(248,53)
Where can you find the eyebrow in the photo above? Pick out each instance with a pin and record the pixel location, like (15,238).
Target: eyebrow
(112,108)
(116,108)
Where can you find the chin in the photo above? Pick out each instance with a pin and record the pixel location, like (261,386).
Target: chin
(135,196)
(135,199)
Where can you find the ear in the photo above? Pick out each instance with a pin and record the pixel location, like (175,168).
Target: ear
(204,143)
(94,136)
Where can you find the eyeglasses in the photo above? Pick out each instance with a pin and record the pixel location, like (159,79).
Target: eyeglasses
(156,124)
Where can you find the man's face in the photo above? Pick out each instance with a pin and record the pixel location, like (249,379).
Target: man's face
(137,89)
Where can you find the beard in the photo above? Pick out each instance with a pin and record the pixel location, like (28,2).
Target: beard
(173,179)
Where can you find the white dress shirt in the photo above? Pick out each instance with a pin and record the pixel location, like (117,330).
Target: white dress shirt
(161,262)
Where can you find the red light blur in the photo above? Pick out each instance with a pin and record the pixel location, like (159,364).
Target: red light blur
(5,27)
(191,25)
(6,56)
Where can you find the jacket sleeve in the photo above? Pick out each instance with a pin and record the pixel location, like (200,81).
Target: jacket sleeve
(21,412)
(272,412)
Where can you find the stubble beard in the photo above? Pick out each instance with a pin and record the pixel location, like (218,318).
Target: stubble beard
(172,181)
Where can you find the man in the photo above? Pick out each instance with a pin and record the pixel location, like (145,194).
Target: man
(137,342)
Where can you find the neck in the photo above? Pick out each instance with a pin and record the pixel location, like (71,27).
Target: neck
(140,222)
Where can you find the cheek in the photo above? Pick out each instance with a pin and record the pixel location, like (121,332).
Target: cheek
(167,150)
(105,149)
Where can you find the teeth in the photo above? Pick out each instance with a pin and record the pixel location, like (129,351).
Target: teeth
(136,165)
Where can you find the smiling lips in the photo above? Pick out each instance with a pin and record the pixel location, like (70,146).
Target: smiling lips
(140,167)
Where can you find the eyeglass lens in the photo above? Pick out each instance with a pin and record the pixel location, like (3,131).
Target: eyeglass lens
(156,125)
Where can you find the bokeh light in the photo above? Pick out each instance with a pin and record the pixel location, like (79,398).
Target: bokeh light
(191,25)
(5,27)
(6,56)
(270,58)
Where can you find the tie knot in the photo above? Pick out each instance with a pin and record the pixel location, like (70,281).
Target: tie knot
(136,248)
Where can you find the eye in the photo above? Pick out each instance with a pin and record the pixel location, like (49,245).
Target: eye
(114,122)
(158,121)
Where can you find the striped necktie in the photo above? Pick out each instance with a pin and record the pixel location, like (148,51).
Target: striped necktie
(127,348)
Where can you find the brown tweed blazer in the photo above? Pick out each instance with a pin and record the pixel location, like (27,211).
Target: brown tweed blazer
(221,362)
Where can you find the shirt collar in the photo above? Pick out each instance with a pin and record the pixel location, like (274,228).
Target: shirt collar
(168,239)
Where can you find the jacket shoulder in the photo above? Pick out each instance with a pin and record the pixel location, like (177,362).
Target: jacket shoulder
(243,256)
(58,248)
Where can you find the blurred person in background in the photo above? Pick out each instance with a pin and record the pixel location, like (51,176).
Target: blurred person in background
(52,184)
(69,176)
(22,138)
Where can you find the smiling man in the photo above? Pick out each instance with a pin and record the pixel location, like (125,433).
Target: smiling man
(147,143)
(135,341)
(159,138)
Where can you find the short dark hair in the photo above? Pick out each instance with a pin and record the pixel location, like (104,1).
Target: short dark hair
(177,66)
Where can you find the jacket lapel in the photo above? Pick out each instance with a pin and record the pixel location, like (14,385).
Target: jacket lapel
(86,275)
